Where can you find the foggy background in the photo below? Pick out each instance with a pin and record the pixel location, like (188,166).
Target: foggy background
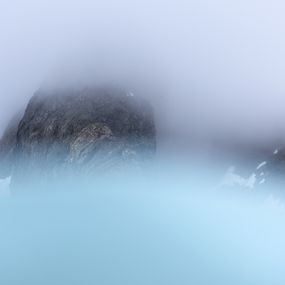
(219,65)
(214,71)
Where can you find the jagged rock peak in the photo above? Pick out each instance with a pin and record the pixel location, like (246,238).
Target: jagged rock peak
(87,131)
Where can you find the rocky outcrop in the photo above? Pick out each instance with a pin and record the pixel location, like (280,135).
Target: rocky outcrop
(7,146)
(90,131)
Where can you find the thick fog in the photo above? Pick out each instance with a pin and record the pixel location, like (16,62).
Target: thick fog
(218,66)
(213,71)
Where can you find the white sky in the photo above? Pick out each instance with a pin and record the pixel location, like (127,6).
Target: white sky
(223,61)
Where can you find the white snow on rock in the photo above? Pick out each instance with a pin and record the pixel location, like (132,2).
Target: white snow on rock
(233,179)
(262,173)
(275,151)
(262,181)
(261,165)
(250,181)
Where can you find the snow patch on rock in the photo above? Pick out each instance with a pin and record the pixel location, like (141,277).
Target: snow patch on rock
(261,165)
(262,181)
(233,179)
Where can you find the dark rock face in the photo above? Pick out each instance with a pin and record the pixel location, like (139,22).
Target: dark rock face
(273,168)
(7,146)
(88,131)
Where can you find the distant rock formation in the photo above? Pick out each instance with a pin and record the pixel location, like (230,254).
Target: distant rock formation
(90,131)
(266,170)
(272,170)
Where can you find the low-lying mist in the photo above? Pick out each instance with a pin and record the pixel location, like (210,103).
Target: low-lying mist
(170,227)
(208,208)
